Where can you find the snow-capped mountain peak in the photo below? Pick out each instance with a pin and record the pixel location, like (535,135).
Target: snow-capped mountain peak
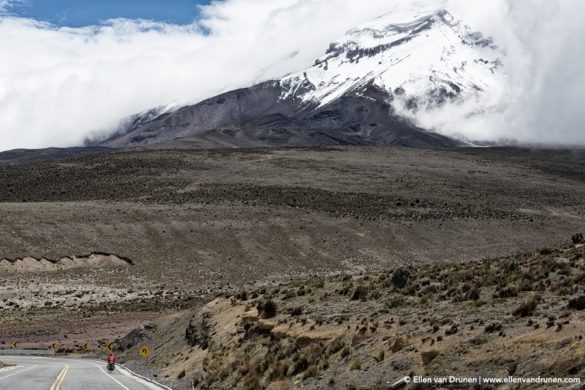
(424,60)
(369,88)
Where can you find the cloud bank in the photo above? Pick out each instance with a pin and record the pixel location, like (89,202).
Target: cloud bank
(59,85)
(545,65)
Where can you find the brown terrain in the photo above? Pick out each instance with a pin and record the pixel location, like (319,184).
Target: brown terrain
(95,246)
(522,315)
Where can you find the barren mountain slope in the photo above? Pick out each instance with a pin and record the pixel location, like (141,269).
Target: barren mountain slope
(191,224)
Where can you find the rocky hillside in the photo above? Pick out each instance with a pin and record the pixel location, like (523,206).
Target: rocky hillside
(522,315)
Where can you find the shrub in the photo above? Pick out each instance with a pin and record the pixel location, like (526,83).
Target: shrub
(311,372)
(268,309)
(511,266)
(181,375)
(479,340)
(345,351)
(360,293)
(297,311)
(473,294)
(279,371)
(527,307)
(242,295)
(507,292)
(300,365)
(400,277)
(379,356)
(397,344)
(577,303)
(396,301)
(493,327)
(319,283)
(452,330)
(428,356)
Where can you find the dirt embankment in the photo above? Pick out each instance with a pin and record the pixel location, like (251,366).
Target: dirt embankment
(522,315)
(33,264)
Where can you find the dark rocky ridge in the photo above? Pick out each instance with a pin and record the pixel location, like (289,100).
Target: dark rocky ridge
(259,117)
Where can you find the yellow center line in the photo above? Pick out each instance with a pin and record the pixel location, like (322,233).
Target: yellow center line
(60,378)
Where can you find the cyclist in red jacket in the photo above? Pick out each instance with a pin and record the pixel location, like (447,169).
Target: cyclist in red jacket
(111,362)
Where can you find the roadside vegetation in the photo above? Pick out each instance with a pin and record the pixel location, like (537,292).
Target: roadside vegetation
(519,315)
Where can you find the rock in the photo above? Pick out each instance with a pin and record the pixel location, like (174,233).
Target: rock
(133,338)
(197,332)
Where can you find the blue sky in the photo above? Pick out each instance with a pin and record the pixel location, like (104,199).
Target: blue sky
(76,13)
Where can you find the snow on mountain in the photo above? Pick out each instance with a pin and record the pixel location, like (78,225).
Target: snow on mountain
(421,60)
(135,121)
(368,89)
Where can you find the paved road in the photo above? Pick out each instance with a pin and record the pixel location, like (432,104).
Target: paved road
(40,373)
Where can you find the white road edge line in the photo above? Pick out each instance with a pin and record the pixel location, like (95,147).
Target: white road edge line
(109,376)
(128,372)
(16,373)
(9,368)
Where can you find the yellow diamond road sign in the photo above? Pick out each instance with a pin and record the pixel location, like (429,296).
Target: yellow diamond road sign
(144,351)
(54,346)
(86,346)
(110,346)
(14,345)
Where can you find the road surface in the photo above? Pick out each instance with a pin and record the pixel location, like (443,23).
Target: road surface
(41,373)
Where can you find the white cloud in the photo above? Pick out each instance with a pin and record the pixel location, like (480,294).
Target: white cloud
(6,4)
(58,85)
(545,65)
